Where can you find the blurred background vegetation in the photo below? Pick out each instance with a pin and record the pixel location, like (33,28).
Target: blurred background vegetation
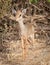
(6,5)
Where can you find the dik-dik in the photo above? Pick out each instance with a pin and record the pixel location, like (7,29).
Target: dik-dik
(26,30)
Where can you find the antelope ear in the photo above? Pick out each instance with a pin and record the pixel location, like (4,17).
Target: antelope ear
(24,11)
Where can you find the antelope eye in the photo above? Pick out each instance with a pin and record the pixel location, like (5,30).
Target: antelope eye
(20,15)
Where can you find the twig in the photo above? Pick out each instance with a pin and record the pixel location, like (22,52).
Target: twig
(34,6)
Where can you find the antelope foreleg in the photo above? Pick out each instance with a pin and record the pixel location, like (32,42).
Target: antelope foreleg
(24,42)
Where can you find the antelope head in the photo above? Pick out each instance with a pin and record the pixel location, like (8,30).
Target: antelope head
(18,15)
